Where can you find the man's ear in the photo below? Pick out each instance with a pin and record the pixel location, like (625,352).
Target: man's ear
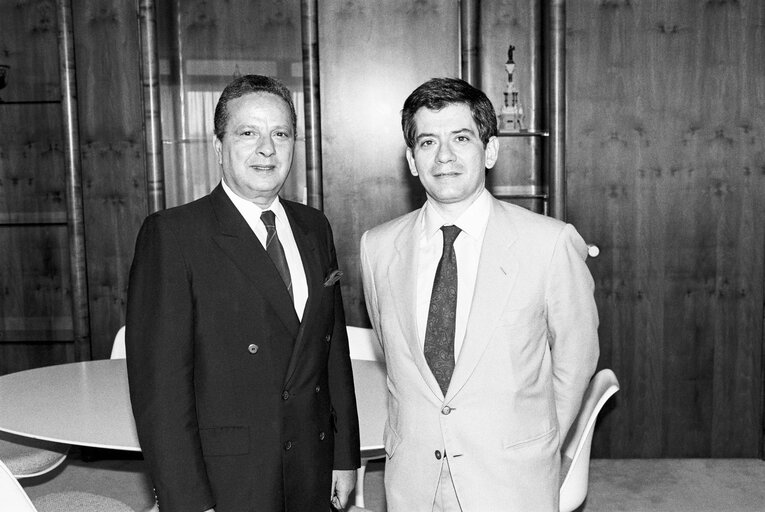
(491,152)
(412,164)
(218,145)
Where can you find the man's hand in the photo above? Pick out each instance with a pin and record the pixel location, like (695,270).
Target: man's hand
(343,482)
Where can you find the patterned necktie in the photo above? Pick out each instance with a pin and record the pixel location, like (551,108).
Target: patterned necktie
(439,333)
(275,250)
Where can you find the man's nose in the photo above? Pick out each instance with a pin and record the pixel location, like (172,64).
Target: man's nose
(266,146)
(445,154)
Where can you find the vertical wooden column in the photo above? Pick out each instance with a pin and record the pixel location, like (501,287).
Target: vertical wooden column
(155,176)
(556,58)
(313,169)
(469,43)
(75,217)
(535,111)
(184,189)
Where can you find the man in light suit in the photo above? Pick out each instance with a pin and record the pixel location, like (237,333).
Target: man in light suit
(486,316)
(238,363)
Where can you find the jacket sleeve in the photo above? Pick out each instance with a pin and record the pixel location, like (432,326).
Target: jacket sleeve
(572,319)
(341,388)
(370,292)
(160,362)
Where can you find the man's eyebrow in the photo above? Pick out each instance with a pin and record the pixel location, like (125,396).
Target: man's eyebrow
(453,132)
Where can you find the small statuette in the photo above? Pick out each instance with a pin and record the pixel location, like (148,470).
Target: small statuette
(511,115)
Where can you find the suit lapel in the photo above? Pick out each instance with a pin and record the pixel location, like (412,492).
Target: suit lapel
(497,272)
(306,243)
(402,279)
(240,244)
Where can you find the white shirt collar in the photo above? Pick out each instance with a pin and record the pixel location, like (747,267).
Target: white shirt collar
(250,209)
(472,221)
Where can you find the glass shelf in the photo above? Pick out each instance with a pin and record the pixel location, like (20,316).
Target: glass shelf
(519,192)
(523,133)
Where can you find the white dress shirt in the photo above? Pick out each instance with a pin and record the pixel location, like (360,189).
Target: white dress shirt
(251,213)
(467,248)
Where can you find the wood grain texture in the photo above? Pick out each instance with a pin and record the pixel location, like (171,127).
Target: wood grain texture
(21,356)
(309,14)
(112,149)
(27,36)
(73,173)
(666,174)
(155,174)
(373,55)
(35,291)
(31,164)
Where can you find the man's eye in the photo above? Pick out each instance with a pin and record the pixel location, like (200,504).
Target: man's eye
(247,133)
(462,138)
(426,143)
(282,135)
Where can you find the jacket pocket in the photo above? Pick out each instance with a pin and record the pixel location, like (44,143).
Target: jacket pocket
(225,441)
(511,444)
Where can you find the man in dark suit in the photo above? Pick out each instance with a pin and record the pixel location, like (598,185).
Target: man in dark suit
(237,353)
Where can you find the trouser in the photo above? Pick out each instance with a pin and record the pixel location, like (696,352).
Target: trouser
(446,499)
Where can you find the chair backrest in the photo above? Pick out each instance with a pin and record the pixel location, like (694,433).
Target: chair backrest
(576,449)
(118,347)
(12,495)
(363,344)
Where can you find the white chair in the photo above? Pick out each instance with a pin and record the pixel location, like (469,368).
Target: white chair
(118,347)
(575,454)
(363,346)
(14,498)
(26,457)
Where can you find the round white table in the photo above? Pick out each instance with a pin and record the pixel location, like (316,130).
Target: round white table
(88,404)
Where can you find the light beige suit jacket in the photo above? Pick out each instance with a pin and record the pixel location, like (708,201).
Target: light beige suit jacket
(530,349)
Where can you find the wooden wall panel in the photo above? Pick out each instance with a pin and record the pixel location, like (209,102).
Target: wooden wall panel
(110,112)
(21,356)
(28,46)
(31,164)
(35,300)
(372,55)
(666,173)
(35,304)
(35,291)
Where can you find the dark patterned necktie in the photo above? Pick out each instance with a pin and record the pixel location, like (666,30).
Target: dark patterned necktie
(275,250)
(439,333)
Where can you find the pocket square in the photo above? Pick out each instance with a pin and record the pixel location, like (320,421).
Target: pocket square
(333,277)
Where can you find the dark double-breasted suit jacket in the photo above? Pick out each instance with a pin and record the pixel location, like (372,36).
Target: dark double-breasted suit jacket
(238,404)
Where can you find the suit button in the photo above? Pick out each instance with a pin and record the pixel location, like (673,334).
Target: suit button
(318,388)
(288,445)
(285,395)
(438,455)
(446,410)
(322,436)
(252,348)
(327,338)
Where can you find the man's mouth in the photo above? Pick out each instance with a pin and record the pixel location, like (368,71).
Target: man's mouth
(445,174)
(262,167)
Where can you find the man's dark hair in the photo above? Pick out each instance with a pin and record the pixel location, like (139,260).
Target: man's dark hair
(437,93)
(250,84)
